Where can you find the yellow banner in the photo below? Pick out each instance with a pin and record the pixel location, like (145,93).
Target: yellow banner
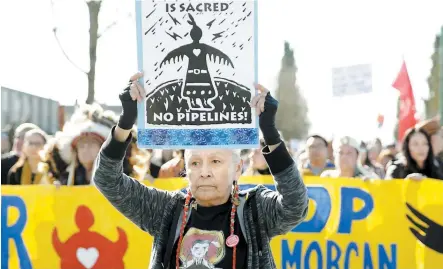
(351,224)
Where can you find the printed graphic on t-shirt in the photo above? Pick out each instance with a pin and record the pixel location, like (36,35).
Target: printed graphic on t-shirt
(202,249)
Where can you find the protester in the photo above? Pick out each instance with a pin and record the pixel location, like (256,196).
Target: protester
(213,212)
(52,163)
(83,136)
(317,153)
(257,163)
(418,159)
(434,130)
(137,162)
(384,158)
(392,148)
(369,160)
(174,167)
(159,157)
(346,152)
(11,158)
(26,170)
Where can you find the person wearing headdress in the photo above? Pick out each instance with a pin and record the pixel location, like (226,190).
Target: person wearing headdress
(212,208)
(82,137)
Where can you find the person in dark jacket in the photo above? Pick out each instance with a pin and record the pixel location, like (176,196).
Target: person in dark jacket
(418,159)
(11,158)
(212,224)
(26,170)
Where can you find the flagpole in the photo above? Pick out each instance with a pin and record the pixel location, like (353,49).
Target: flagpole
(441,76)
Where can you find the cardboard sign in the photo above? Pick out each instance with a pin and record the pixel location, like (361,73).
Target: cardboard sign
(200,62)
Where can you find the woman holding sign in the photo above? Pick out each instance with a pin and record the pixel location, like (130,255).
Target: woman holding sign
(213,225)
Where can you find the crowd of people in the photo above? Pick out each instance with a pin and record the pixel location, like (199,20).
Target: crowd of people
(67,158)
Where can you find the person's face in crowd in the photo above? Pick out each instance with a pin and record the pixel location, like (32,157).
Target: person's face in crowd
(32,145)
(87,150)
(418,147)
(437,142)
(317,150)
(257,160)
(346,157)
(211,174)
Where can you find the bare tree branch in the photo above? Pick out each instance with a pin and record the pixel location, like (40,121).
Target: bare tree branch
(114,23)
(64,52)
(54,30)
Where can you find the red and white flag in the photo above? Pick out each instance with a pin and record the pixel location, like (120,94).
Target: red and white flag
(407,103)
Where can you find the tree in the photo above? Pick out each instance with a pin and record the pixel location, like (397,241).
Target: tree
(291,117)
(432,104)
(93,10)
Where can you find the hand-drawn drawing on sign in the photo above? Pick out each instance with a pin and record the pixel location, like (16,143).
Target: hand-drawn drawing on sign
(88,249)
(199,63)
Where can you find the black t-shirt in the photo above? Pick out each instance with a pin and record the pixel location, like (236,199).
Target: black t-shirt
(204,241)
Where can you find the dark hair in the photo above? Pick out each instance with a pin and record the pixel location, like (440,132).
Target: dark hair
(429,168)
(319,137)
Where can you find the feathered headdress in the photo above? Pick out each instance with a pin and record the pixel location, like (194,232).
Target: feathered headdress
(87,120)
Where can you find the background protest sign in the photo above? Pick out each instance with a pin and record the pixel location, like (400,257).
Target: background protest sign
(200,62)
(352,80)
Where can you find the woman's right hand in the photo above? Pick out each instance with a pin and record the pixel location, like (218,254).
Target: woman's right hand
(128,98)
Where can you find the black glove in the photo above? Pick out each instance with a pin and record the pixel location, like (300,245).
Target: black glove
(267,121)
(129,110)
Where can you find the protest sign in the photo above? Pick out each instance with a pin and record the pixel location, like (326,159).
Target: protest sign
(200,62)
(352,80)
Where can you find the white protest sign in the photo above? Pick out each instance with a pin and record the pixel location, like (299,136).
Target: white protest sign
(352,80)
(199,60)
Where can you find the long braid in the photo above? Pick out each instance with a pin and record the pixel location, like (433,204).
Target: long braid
(182,227)
(235,203)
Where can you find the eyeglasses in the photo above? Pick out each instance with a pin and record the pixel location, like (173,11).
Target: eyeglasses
(34,143)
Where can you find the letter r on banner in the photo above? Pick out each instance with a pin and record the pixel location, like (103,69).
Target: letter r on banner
(14,232)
